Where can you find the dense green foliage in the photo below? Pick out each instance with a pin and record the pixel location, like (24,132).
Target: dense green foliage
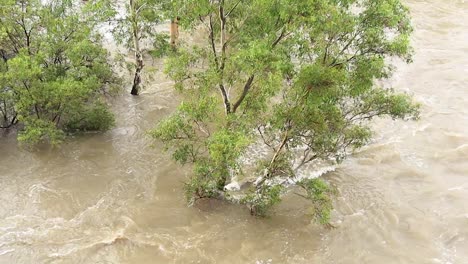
(53,70)
(296,76)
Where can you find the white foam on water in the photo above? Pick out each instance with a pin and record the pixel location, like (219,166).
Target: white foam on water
(6,251)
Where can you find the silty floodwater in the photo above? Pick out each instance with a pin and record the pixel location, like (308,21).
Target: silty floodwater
(112,198)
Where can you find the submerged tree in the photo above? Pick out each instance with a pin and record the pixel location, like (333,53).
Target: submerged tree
(134,26)
(296,77)
(53,70)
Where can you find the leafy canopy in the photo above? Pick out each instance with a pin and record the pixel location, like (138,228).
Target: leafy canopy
(53,71)
(294,77)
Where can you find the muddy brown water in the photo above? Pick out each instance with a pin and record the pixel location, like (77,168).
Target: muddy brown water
(112,198)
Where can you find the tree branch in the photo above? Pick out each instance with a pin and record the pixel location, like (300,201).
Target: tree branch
(246,89)
(212,41)
(233,8)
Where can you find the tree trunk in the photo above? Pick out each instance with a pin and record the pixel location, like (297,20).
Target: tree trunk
(136,45)
(138,70)
(174,31)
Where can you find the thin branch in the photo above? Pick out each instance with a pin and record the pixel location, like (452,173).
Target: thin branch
(305,160)
(280,37)
(203,22)
(232,9)
(263,138)
(141,7)
(212,41)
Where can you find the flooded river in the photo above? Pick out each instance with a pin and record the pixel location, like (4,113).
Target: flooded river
(113,198)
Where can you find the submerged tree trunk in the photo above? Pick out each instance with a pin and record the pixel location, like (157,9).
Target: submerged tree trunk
(138,70)
(136,45)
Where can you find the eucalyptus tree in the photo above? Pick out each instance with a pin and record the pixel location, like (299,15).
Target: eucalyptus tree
(53,70)
(295,77)
(135,28)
